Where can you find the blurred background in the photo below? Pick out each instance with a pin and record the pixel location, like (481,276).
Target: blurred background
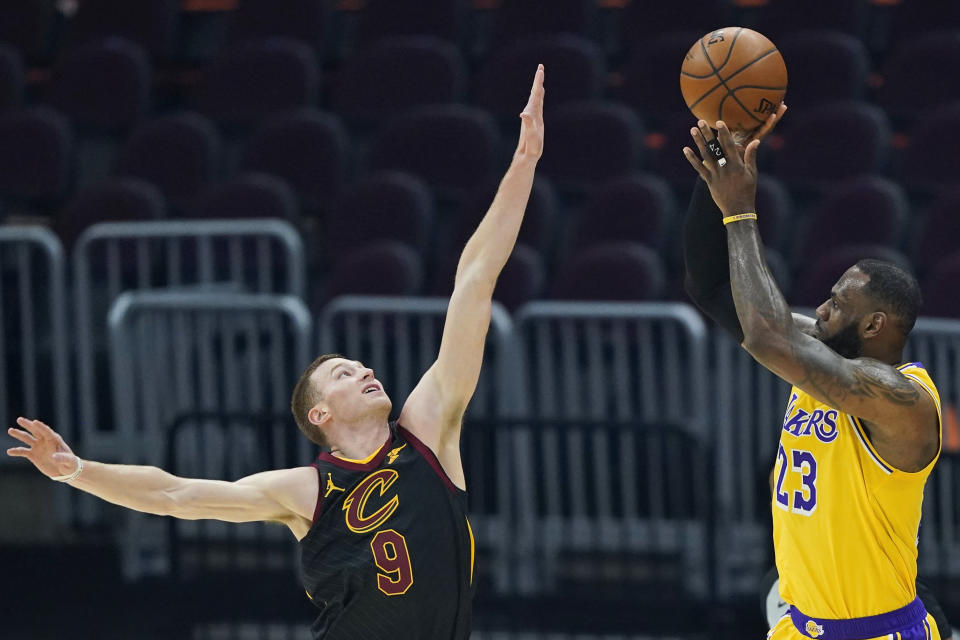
(199,196)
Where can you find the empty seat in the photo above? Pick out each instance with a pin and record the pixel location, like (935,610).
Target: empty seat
(939,288)
(812,281)
(811,52)
(865,210)
(306,148)
(634,208)
(451,147)
(780,17)
(614,271)
(250,195)
(26,25)
(150,23)
(522,279)
(303,20)
(381,268)
(832,142)
(104,85)
(440,18)
(539,219)
(179,153)
(249,81)
(640,17)
(36,154)
(651,74)
(114,200)
(938,231)
(591,142)
(397,73)
(383,206)
(917,17)
(574,64)
(919,166)
(12,76)
(917,75)
(520,18)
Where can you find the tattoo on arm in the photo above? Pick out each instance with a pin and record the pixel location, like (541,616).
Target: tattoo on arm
(866,380)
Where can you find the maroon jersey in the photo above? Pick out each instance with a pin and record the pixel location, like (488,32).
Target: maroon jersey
(390,552)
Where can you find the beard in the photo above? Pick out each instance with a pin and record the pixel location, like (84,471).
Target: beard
(846,342)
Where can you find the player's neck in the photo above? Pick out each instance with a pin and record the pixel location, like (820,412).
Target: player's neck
(361,440)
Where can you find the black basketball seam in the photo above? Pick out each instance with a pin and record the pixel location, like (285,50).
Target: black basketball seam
(742,106)
(722,81)
(715,69)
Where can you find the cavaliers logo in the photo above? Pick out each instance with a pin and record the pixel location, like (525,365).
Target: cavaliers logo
(813,629)
(358,517)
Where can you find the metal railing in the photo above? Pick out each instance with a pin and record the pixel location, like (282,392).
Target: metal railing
(257,256)
(176,354)
(34,355)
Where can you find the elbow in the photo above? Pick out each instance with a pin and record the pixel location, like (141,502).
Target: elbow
(477,278)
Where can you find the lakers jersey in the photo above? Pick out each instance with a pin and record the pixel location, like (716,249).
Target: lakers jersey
(390,552)
(845,522)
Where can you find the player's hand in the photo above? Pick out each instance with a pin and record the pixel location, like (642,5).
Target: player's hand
(530,144)
(764,130)
(45,448)
(734,185)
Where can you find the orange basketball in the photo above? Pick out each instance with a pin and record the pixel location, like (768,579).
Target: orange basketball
(733,74)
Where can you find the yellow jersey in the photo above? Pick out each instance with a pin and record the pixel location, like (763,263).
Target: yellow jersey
(845,522)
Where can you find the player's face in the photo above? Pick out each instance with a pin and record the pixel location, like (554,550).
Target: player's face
(838,319)
(349,389)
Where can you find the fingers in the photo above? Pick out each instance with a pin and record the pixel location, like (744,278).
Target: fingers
(701,141)
(36,428)
(695,163)
(770,123)
(18,452)
(727,141)
(750,154)
(22,436)
(534,106)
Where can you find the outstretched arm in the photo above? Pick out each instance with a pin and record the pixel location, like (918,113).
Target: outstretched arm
(435,408)
(707,273)
(903,418)
(286,496)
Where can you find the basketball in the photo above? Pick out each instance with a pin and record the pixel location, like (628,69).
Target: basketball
(733,74)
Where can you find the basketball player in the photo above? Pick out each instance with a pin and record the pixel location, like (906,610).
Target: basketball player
(861,432)
(387,551)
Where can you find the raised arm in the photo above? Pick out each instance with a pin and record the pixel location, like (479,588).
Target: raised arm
(707,274)
(434,410)
(900,414)
(287,496)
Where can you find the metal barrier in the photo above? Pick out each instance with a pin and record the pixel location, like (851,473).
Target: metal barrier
(936,343)
(608,370)
(262,256)
(183,354)
(400,339)
(34,360)
(749,402)
(644,361)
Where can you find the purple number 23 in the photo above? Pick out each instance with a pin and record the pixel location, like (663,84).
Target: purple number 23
(804,499)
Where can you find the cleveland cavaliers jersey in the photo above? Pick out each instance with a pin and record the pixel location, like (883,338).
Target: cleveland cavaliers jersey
(390,552)
(845,522)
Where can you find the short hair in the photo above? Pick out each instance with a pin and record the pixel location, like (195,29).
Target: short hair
(895,288)
(305,396)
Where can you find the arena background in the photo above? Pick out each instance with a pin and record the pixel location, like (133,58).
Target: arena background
(197,196)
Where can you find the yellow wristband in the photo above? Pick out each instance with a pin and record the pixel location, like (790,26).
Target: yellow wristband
(739,216)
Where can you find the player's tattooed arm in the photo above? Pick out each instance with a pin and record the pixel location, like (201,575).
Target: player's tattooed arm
(898,412)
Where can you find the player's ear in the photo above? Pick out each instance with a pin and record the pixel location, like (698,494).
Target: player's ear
(319,414)
(874,323)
